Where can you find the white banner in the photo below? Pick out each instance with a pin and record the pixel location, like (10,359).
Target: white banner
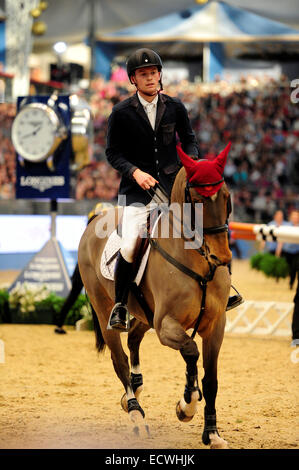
(18,39)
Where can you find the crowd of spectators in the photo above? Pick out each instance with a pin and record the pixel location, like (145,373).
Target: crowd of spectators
(263,125)
(97,181)
(7,153)
(256,115)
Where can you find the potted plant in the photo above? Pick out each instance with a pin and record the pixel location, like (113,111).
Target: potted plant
(4,306)
(270,265)
(30,303)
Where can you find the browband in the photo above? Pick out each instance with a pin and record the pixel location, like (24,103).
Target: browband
(197,185)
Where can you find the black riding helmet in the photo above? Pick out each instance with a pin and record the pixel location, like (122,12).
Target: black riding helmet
(143,58)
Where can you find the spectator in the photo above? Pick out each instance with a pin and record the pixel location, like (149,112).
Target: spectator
(7,152)
(273,247)
(291,250)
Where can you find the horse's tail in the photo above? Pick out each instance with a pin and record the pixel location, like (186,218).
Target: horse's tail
(100,342)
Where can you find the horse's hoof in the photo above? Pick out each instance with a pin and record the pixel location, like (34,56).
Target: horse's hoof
(181,415)
(60,331)
(217,442)
(124,402)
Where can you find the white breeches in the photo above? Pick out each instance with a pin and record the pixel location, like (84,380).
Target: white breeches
(134,220)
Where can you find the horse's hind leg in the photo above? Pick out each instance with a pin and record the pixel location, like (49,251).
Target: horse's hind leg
(172,334)
(211,347)
(135,336)
(102,305)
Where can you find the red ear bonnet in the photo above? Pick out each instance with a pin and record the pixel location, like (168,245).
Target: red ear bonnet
(205,171)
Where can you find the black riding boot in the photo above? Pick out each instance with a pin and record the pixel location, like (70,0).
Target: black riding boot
(119,317)
(234,301)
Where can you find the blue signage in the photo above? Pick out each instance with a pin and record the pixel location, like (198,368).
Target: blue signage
(52,266)
(50,178)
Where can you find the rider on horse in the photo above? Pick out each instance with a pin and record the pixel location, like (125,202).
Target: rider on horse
(141,146)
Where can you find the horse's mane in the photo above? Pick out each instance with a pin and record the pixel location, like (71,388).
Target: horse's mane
(177,192)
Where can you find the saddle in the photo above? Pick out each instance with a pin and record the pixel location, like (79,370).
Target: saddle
(141,252)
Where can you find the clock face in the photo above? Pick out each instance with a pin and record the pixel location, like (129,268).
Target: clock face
(34,131)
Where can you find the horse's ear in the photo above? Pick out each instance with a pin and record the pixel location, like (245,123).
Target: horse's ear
(221,159)
(189,164)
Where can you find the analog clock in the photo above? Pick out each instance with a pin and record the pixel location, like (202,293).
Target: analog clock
(37,131)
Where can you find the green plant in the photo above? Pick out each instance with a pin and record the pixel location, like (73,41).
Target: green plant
(24,297)
(52,301)
(255,260)
(4,306)
(267,264)
(270,265)
(79,310)
(29,302)
(282,268)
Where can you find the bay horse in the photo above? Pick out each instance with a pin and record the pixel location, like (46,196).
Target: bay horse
(184,288)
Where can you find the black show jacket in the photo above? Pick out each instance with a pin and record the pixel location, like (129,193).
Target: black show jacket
(132,143)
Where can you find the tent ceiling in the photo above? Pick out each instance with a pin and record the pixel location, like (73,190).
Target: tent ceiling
(69,19)
(213,22)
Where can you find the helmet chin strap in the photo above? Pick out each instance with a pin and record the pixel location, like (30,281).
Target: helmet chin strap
(146,93)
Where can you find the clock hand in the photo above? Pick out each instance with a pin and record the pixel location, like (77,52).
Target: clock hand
(32,133)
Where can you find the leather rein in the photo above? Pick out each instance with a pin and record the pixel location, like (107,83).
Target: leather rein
(201,280)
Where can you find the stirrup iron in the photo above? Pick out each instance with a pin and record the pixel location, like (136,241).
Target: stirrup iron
(126,321)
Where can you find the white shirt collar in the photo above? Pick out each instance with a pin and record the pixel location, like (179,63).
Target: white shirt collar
(146,103)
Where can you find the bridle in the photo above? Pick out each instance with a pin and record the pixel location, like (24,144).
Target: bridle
(206,230)
(201,280)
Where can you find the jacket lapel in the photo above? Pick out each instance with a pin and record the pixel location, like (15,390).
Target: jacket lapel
(160,110)
(161,106)
(139,109)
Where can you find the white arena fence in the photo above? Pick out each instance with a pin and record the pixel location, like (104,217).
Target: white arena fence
(261,318)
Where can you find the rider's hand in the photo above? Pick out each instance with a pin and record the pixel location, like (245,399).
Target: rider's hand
(145,180)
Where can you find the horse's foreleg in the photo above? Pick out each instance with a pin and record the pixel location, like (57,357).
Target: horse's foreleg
(187,406)
(211,347)
(172,334)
